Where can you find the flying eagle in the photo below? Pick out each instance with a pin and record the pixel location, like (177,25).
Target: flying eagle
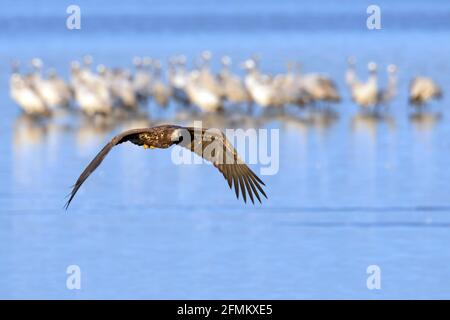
(211,145)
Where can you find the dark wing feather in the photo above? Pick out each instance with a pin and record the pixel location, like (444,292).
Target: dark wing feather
(123,137)
(226,160)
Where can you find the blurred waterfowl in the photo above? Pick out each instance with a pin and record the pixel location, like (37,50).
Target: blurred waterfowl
(84,70)
(422,90)
(206,78)
(258,85)
(178,78)
(387,94)
(26,97)
(291,87)
(121,93)
(52,90)
(91,92)
(62,87)
(233,88)
(122,88)
(223,156)
(201,95)
(368,94)
(142,79)
(160,91)
(365,94)
(320,88)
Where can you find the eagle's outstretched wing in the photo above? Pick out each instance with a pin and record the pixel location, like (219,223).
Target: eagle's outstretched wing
(120,138)
(213,146)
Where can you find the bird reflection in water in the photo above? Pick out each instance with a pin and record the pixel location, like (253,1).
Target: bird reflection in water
(370,123)
(92,132)
(28,131)
(425,121)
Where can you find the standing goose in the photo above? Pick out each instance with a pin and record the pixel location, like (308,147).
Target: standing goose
(122,88)
(206,78)
(200,141)
(388,94)
(292,87)
(259,85)
(202,96)
(366,93)
(24,94)
(91,91)
(422,90)
(234,90)
(160,91)
(320,88)
(84,71)
(142,79)
(26,97)
(62,87)
(52,90)
(178,79)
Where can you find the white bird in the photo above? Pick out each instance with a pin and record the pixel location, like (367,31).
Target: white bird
(206,78)
(201,96)
(234,90)
(422,90)
(160,91)
(258,85)
(65,92)
(320,87)
(178,78)
(122,88)
(142,79)
(366,93)
(91,91)
(53,90)
(45,88)
(287,88)
(26,97)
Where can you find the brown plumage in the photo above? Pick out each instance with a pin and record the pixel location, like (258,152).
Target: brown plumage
(210,144)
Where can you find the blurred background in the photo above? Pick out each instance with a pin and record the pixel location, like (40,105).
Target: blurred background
(351,191)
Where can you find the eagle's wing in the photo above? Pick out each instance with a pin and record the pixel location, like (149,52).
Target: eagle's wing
(215,147)
(120,138)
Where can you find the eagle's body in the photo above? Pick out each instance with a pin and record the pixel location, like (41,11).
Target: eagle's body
(156,137)
(211,145)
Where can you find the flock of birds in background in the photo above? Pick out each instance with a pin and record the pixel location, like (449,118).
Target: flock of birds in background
(114,92)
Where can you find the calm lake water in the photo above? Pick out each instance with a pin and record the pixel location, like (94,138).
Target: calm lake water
(349,193)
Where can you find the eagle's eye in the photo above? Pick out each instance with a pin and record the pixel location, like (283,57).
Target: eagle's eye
(177,136)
